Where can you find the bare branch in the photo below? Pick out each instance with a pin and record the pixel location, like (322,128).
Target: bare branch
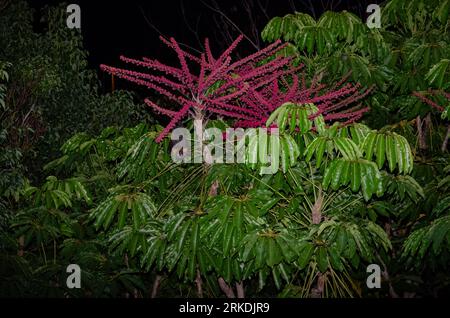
(4,4)
(292,5)
(217,10)
(161,34)
(186,21)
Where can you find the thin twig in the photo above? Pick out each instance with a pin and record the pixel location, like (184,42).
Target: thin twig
(231,22)
(186,21)
(161,34)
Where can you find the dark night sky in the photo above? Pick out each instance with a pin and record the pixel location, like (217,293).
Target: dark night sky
(124,27)
(111,29)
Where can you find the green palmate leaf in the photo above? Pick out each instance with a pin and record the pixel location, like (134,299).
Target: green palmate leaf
(195,237)
(361,242)
(345,173)
(104,211)
(322,259)
(293,122)
(283,271)
(203,264)
(337,172)
(407,157)
(252,151)
(227,237)
(380,150)
(319,123)
(358,132)
(305,252)
(140,204)
(389,147)
(313,148)
(276,277)
(366,184)
(443,11)
(341,240)
(335,259)
(192,264)
(442,206)
(362,174)
(320,150)
(329,174)
(347,148)
(174,224)
(123,211)
(436,235)
(140,158)
(266,152)
(303,114)
(275,114)
(137,216)
(296,117)
(249,244)
(402,186)
(287,247)
(286,27)
(181,237)
(238,216)
(273,252)
(438,73)
(260,253)
(380,235)
(391,152)
(285,160)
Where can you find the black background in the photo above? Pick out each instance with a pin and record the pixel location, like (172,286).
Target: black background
(133,27)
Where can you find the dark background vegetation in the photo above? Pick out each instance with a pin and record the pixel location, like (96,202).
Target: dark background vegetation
(63,125)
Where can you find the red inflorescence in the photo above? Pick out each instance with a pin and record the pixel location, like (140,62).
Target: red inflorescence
(247,90)
(428,101)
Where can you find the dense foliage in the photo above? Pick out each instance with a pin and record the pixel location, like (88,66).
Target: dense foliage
(345,194)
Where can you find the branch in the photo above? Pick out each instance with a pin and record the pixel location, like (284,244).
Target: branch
(195,32)
(4,4)
(445,143)
(240,290)
(231,22)
(385,275)
(156,284)
(317,208)
(161,34)
(228,291)
(199,282)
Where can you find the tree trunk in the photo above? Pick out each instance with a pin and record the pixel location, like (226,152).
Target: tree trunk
(240,290)
(155,287)
(228,291)
(21,246)
(317,208)
(199,282)
(317,291)
(421,134)
(386,277)
(445,143)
